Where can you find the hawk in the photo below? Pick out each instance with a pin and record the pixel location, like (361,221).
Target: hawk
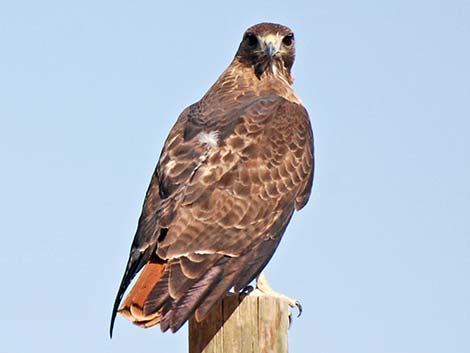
(233,169)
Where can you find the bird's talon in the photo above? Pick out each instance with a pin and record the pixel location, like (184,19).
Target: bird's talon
(247,290)
(299,307)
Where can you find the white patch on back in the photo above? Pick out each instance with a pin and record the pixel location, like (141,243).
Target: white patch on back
(210,138)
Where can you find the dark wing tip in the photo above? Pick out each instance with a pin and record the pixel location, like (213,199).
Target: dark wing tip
(111,325)
(122,288)
(134,265)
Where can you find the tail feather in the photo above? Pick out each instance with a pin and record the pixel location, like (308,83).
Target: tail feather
(164,295)
(158,296)
(169,293)
(216,295)
(175,316)
(132,307)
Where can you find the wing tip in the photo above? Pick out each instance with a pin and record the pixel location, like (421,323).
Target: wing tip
(117,301)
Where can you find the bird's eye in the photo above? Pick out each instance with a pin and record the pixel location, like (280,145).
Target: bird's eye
(251,40)
(288,40)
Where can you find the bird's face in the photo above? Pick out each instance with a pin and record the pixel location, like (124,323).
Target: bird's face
(267,46)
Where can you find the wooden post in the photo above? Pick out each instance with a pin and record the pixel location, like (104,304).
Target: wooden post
(242,324)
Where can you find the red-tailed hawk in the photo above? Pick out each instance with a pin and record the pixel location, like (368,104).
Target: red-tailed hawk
(232,171)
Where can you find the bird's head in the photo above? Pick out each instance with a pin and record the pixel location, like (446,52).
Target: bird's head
(268,47)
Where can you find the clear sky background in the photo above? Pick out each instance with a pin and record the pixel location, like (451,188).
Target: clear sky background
(380,257)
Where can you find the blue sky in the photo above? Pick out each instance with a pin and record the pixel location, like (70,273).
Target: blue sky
(380,257)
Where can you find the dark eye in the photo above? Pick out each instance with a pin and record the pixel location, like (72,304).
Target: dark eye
(251,40)
(288,40)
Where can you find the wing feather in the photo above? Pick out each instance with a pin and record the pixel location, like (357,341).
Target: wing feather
(215,214)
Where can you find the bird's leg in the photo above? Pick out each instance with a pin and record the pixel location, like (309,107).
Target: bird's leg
(262,287)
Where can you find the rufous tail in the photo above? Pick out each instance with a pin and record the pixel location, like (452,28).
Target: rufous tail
(132,308)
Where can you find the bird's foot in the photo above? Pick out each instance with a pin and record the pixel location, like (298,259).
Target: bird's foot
(262,287)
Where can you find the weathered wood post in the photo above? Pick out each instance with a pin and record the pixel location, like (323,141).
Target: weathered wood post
(242,324)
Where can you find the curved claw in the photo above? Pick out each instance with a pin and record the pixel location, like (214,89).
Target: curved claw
(299,307)
(247,290)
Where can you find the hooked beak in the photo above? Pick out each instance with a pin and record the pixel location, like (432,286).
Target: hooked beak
(270,50)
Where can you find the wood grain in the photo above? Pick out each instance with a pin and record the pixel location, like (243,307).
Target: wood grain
(242,324)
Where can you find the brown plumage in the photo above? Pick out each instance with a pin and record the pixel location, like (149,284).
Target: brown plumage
(232,171)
